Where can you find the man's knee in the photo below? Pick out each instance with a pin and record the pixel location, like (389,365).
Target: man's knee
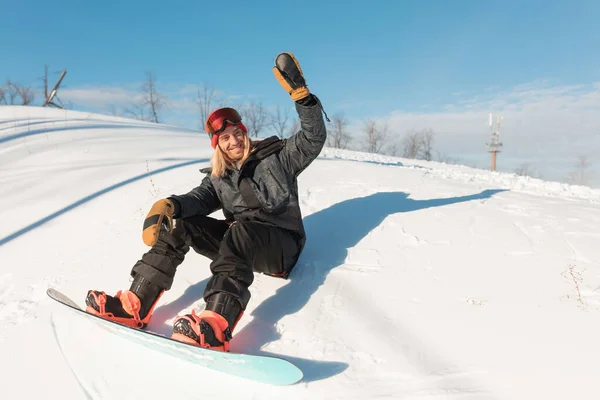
(240,236)
(240,229)
(266,249)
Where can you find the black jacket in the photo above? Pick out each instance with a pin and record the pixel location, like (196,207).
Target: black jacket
(265,188)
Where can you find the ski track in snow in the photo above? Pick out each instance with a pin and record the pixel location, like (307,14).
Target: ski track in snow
(66,359)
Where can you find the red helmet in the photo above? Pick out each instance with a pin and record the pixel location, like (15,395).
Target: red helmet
(218,120)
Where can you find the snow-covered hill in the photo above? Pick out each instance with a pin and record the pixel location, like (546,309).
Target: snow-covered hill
(419,280)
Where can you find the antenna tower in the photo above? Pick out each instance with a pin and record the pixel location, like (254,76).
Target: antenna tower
(494,145)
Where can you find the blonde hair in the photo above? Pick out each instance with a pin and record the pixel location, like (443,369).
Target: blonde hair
(220,161)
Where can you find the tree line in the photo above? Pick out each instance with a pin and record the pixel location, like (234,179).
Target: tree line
(13,93)
(374,136)
(257,118)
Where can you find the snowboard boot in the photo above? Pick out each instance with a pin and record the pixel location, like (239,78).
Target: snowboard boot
(132,307)
(213,328)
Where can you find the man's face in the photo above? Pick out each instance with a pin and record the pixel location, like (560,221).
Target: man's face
(231,142)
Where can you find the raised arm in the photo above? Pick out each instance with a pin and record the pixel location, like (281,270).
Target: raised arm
(302,148)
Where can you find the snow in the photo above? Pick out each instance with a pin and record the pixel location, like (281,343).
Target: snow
(419,280)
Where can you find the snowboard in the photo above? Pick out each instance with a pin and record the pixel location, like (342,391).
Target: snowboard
(264,369)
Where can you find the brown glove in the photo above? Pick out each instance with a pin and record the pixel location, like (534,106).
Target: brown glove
(159,217)
(289,74)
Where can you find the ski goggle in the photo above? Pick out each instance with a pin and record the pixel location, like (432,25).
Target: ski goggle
(218,120)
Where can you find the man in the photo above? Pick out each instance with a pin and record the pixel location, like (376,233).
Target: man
(255,184)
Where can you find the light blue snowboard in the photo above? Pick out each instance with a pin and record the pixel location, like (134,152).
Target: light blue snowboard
(265,369)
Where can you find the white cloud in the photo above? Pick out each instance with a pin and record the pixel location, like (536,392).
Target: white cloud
(546,126)
(100,96)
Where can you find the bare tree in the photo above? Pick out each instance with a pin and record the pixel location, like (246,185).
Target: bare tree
(392,150)
(27,95)
(524,170)
(45,78)
(12,93)
(384,141)
(412,144)
(445,158)
(255,117)
(376,136)
(205,99)
(418,144)
(138,112)
(150,103)
(581,174)
(426,144)
(279,121)
(370,128)
(338,136)
(111,109)
(151,98)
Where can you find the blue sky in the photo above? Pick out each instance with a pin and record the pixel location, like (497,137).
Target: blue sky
(368,59)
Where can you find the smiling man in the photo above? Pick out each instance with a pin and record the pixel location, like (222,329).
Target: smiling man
(255,184)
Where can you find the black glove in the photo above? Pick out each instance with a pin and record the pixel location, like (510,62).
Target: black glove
(289,74)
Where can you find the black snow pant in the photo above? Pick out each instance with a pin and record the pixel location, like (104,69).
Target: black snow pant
(237,251)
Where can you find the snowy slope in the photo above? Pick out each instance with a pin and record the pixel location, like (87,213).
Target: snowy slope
(419,280)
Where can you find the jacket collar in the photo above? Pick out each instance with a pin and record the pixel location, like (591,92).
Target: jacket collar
(266,147)
(261,149)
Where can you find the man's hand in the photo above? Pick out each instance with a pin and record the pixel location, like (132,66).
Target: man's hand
(160,216)
(289,74)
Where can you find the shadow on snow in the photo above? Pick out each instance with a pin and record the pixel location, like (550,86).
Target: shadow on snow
(92,196)
(330,232)
(47,130)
